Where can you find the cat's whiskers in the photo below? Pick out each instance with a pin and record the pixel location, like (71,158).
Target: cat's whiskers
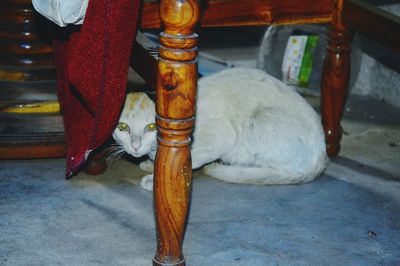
(115,152)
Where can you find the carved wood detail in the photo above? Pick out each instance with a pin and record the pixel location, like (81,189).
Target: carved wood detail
(335,81)
(175,104)
(25,47)
(27,75)
(375,22)
(217,13)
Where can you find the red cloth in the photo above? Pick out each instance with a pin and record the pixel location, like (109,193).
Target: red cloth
(92,69)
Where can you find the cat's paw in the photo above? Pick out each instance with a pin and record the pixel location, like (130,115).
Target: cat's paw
(147,166)
(147,182)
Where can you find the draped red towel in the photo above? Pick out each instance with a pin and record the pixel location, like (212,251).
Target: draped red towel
(92,69)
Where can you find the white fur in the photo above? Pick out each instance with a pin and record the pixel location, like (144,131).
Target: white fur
(253,129)
(137,142)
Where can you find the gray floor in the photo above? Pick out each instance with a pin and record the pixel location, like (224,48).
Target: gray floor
(349,216)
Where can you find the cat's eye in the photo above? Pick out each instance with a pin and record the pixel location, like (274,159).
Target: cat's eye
(151,127)
(123,126)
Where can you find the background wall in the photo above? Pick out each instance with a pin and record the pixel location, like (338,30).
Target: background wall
(380,67)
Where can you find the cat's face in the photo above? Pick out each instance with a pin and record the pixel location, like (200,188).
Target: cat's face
(136,131)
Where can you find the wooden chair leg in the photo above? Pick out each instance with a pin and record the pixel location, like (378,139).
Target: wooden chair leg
(175,104)
(97,164)
(335,80)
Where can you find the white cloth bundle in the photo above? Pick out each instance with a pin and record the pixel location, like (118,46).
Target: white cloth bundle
(62,12)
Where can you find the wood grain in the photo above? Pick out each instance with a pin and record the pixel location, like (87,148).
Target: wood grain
(27,73)
(217,13)
(26,53)
(175,104)
(8,151)
(97,163)
(335,80)
(372,21)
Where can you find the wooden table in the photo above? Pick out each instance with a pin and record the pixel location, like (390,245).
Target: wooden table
(176,90)
(177,77)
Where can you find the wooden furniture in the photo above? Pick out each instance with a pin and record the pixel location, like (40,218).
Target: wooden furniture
(349,16)
(176,83)
(176,89)
(27,75)
(374,22)
(270,12)
(174,77)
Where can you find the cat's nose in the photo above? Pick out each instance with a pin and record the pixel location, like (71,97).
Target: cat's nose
(136,143)
(136,146)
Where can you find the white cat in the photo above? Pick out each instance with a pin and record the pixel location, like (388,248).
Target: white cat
(250,128)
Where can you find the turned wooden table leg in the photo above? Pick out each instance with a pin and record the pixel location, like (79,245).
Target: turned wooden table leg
(27,76)
(175,104)
(97,164)
(335,80)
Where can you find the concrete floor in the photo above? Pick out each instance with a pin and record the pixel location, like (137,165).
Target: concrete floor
(349,216)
